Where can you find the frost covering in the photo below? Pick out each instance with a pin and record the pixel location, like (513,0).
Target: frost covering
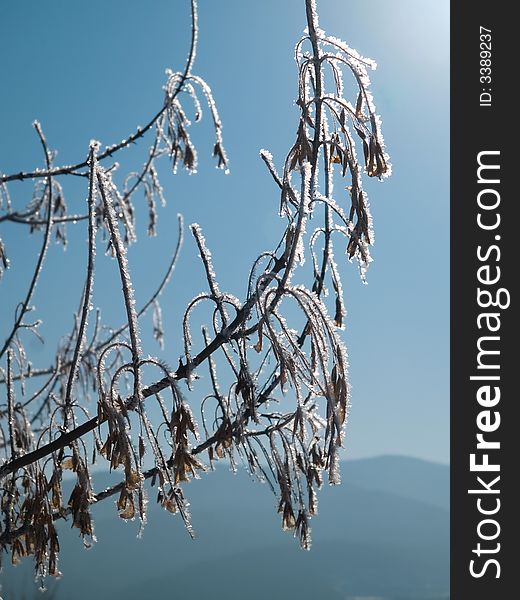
(264,382)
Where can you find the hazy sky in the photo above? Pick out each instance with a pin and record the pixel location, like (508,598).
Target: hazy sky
(95,70)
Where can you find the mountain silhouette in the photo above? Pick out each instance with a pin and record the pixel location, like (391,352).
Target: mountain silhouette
(383,534)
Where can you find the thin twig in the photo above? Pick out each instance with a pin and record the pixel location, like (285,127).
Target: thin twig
(43,251)
(139,133)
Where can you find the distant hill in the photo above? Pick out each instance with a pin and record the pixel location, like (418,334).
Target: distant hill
(402,475)
(382,535)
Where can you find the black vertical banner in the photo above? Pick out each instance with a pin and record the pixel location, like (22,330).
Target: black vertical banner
(485,429)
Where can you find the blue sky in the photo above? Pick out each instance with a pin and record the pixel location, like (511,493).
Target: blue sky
(95,70)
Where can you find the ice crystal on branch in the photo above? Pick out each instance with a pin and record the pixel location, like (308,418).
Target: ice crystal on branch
(278,369)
